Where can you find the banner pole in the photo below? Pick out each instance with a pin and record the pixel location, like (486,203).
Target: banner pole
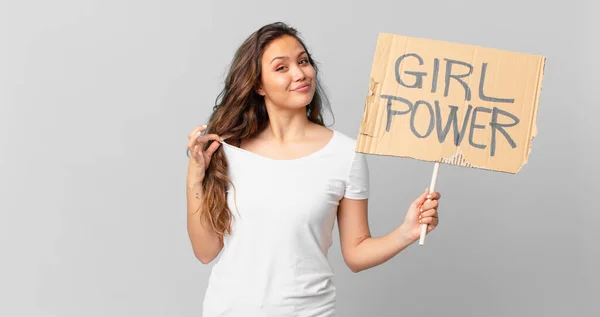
(431,189)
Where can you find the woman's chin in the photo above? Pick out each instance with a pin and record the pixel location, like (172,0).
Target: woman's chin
(300,102)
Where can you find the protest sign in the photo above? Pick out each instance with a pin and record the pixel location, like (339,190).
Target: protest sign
(451,103)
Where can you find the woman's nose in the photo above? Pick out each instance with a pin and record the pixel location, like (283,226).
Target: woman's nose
(298,73)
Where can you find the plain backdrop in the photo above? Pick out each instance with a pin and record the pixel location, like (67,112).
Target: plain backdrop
(97,99)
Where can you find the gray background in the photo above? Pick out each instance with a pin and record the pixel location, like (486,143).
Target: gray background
(97,99)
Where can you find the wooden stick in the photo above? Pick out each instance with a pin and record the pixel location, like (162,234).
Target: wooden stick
(431,189)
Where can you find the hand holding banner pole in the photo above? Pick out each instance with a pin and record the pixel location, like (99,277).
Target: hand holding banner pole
(431,189)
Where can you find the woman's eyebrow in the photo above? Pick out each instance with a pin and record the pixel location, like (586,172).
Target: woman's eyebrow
(285,57)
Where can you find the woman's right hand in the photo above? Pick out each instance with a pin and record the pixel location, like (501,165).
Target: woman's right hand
(199,158)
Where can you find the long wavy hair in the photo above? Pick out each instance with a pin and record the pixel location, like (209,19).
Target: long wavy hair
(240,113)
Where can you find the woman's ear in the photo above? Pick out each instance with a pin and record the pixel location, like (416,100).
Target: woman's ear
(260,91)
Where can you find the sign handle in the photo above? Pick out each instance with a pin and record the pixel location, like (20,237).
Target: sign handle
(431,189)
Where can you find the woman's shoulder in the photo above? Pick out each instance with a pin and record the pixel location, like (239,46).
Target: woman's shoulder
(343,141)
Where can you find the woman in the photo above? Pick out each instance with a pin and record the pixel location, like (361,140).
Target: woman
(267,198)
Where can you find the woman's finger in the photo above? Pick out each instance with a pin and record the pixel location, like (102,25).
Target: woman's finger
(430,204)
(192,152)
(201,140)
(196,131)
(428,213)
(193,138)
(426,220)
(212,148)
(434,196)
(432,225)
(430,228)
(207,137)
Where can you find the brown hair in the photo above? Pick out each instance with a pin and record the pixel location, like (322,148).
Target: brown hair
(240,113)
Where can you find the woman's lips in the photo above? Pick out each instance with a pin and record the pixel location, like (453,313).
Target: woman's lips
(302,88)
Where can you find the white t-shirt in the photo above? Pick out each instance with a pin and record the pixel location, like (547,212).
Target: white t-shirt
(275,261)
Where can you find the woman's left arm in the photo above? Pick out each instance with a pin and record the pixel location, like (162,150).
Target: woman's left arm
(361,251)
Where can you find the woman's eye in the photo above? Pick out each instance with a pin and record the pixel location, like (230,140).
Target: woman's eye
(304,60)
(280,68)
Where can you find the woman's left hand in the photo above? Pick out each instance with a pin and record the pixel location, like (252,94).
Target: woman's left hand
(422,211)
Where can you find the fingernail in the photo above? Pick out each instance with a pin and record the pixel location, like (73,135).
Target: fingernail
(419,220)
(204,126)
(429,196)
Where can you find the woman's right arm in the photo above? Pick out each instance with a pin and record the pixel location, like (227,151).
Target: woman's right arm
(205,243)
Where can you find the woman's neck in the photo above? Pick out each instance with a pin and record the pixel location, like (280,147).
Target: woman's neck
(287,126)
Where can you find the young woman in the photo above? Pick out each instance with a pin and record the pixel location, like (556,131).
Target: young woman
(267,180)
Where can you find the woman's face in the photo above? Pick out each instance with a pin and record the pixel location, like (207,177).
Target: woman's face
(288,78)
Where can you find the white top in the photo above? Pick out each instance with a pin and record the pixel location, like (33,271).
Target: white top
(275,261)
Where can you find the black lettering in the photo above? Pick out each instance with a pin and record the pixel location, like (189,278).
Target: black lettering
(414,113)
(474,126)
(452,119)
(482,95)
(391,112)
(500,127)
(419,75)
(449,63)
